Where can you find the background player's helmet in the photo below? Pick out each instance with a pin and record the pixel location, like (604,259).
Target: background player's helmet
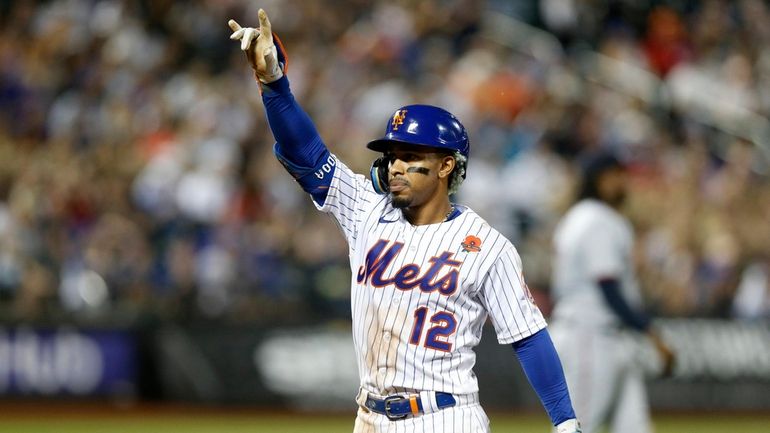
(421,125)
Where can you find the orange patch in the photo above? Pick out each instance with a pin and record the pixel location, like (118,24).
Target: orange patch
(471,244)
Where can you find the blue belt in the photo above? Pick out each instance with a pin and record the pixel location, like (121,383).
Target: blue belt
(399,407)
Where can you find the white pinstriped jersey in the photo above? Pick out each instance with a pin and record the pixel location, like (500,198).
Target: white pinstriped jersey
(421,294)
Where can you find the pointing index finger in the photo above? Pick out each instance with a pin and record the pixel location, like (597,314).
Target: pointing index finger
(234,25)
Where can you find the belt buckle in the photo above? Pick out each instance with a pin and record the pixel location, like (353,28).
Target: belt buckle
(388,401)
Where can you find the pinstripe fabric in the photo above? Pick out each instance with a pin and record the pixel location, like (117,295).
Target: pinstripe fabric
(419,298)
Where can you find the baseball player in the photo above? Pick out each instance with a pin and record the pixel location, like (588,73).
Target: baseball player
(426,273)
(598,302)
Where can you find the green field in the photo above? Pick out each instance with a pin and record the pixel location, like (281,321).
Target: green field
(192,422)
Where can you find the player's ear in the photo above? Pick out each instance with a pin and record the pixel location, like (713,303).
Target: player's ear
(447,165)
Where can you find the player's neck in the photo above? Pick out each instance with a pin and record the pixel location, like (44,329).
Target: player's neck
(429,213)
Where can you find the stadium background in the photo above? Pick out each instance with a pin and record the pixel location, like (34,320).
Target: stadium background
(158,265)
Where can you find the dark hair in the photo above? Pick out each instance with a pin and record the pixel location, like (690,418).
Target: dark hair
(592,166)
(457,176)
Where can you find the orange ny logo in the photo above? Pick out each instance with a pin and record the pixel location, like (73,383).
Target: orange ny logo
(398,119)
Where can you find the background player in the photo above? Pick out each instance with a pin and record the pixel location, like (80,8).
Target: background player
(597,296)
(426,273)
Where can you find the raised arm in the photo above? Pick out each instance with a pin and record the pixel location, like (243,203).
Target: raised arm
(298,145)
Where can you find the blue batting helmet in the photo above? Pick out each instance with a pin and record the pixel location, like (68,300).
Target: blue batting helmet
(424,125)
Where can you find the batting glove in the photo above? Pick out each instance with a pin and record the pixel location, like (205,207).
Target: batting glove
(268,61)
(569,426)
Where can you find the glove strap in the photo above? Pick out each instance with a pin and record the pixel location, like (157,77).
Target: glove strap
(277,71)
(281,62)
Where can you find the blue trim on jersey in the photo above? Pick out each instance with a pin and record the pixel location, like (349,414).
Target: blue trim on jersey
(315,181)
(298,146)
(633,319)
(543,368)
(456,211)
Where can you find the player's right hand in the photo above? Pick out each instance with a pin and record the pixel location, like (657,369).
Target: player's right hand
(666,355)
(262,54)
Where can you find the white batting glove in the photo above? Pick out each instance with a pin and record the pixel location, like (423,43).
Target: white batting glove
(262,55)
(569,426)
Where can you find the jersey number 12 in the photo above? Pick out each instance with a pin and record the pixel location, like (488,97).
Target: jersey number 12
(436,338)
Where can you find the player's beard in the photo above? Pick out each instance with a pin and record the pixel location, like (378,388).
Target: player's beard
(400,202)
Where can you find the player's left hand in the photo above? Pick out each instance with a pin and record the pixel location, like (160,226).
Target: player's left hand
(569,426)
(263,55)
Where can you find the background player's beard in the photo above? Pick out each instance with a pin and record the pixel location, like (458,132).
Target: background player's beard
(617,198)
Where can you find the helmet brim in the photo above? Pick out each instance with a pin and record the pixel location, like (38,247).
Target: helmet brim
(383,144)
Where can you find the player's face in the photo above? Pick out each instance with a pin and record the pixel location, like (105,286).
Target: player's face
(416,175)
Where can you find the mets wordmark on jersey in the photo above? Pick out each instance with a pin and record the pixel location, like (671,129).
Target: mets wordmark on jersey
(421,294)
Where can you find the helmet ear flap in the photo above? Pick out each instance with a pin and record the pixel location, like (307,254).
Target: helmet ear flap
(379,175)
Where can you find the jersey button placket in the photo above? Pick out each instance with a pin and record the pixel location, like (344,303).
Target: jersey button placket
(402,230)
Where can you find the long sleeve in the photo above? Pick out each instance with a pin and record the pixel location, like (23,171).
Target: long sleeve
(298,145)
(610,288)
(542,366)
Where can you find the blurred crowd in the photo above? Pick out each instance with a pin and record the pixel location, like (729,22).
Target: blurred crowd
(137,180)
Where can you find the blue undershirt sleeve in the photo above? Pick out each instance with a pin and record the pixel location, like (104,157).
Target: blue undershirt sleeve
(542,366)
(298,145)
(637,320)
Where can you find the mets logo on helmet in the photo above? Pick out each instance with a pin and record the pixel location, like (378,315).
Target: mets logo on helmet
(471,244)
(398,119)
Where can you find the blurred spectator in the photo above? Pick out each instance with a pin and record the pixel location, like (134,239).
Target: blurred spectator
(752,300)
(137,179)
